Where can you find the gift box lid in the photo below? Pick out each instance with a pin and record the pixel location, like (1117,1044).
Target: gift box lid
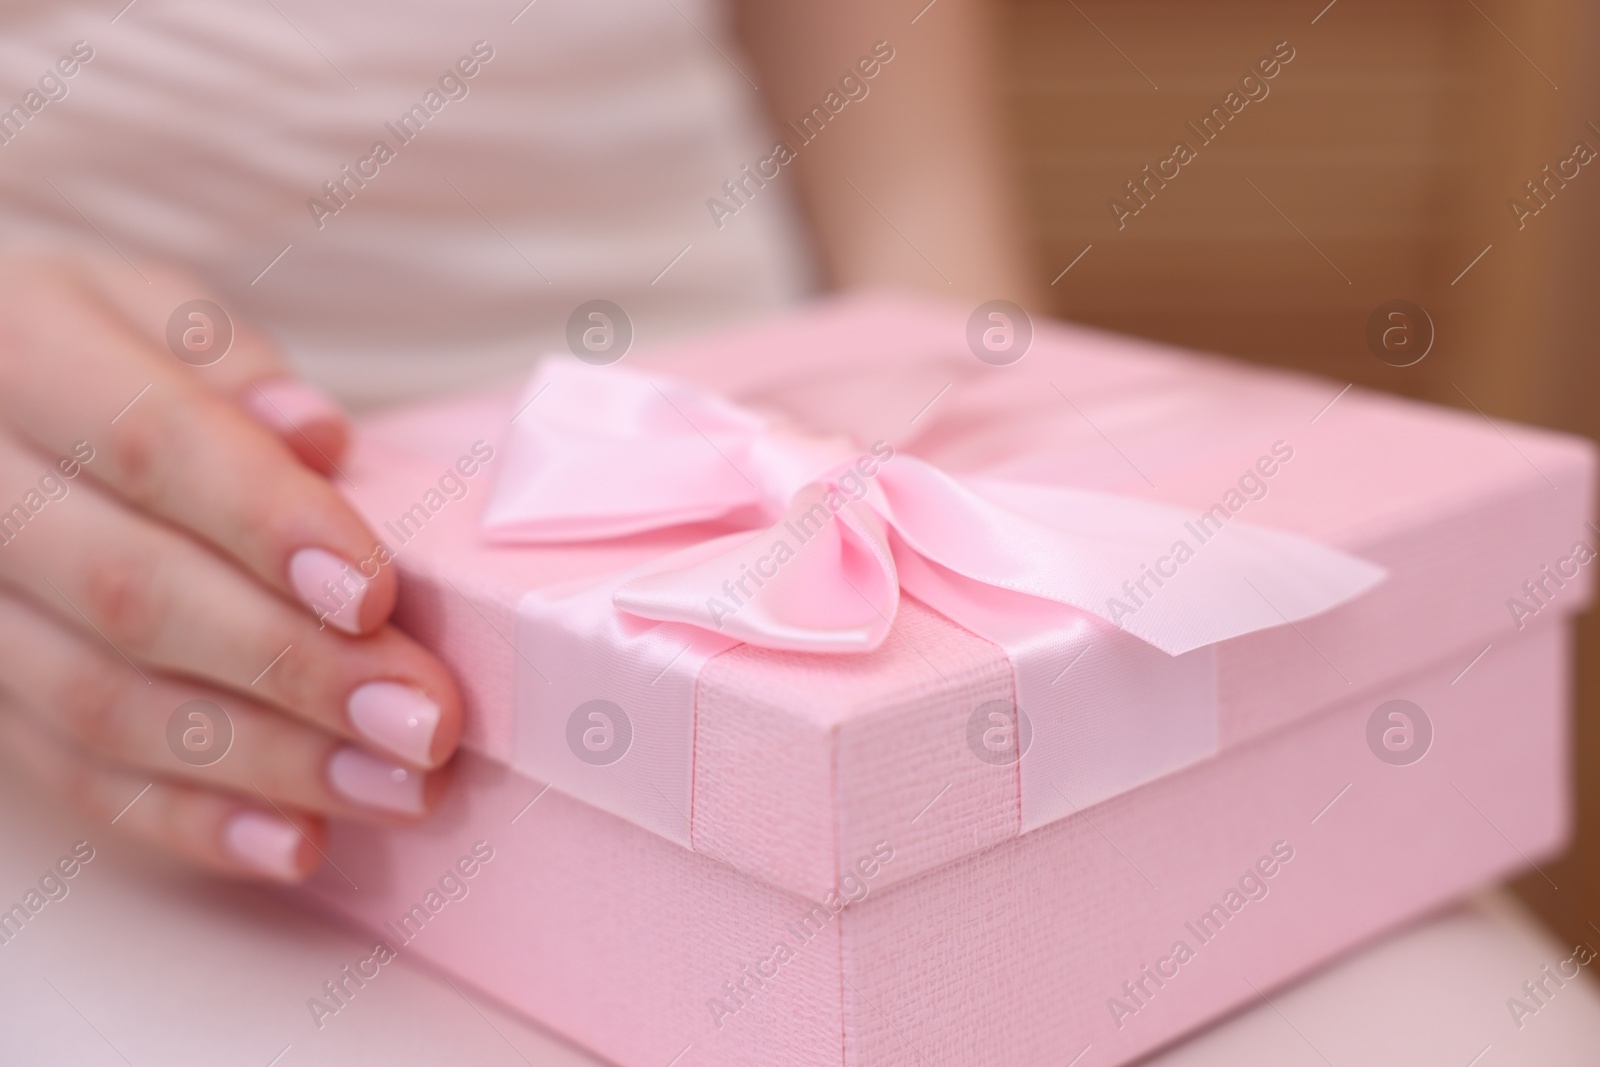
(803,763)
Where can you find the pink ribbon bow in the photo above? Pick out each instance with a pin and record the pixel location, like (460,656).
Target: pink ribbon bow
(813,539)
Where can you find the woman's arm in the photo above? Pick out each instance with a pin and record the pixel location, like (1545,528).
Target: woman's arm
(908,184)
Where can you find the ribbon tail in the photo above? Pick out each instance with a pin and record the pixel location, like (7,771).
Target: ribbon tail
(1171,579)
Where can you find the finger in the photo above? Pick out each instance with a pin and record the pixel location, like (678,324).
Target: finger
(209,829)
(199,733)
(305,418)
(81,386)
(159,600)
(172,310)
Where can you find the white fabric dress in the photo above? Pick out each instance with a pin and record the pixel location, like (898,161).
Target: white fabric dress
(574,163)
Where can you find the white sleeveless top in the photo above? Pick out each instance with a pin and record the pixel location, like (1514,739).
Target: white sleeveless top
(411,195)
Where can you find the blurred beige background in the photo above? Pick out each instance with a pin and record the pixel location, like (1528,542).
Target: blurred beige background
(1379,167)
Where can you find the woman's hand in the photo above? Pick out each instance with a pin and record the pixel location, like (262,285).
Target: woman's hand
(167,535)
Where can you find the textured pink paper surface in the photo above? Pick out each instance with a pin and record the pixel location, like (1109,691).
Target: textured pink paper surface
(803,761)
(1007,957)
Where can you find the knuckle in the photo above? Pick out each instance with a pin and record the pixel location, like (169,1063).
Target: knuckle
(91,705)
(305,675)
(138,448)
(86,784)
(123,593)
(260,519)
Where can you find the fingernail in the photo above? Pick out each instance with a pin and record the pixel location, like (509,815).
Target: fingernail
(288,405)
(329,586)
(395,717)
(375,783)
(264,843)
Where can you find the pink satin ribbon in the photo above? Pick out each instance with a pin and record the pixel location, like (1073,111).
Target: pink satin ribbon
(828,532)
(1104,606)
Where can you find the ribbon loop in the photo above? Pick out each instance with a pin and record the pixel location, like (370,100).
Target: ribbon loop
(815,582)
(608,453)
(604,452)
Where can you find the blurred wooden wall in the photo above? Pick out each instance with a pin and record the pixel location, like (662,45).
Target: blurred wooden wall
(1379,167)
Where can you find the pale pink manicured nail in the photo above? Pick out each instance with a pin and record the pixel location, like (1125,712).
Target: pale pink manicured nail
(287,405)
(329,586)
(264,843)
(396,717)
(375,783)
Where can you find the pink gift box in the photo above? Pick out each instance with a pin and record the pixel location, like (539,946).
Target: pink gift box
(858,887)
